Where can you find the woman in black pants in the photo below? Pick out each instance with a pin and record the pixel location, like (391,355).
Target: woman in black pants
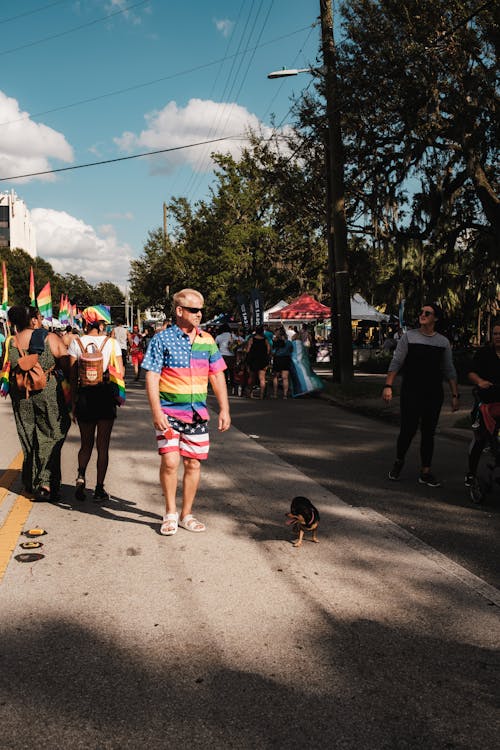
(423,356)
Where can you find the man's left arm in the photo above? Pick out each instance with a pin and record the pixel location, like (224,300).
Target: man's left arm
(219,387)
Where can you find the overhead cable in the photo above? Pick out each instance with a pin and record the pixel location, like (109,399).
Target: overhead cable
(152,82)
(75,28)
(120,158)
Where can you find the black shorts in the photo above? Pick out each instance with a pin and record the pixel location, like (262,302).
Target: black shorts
(95,402)
(282,363)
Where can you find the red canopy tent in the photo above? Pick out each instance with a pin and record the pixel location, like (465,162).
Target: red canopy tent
(304,307)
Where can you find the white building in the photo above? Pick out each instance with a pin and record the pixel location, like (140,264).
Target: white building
(16,229)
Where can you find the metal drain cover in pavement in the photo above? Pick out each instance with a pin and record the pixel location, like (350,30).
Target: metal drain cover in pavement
(31,545)
(27,557)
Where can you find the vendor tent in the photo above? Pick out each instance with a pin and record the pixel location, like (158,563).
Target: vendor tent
(306,308)
(361,310)
(303,308)
(278,306)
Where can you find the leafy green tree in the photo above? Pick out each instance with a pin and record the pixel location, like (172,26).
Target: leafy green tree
(108,293)
(17,263)
(79,291)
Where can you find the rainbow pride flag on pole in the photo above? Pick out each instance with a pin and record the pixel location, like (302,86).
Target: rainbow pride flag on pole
(44,300)
(32,288)
(5,295)
(64,310)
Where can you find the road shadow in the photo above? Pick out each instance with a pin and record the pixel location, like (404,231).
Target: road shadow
(372,687)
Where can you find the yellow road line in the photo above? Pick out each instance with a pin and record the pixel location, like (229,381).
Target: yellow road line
(9,532)
(9,475)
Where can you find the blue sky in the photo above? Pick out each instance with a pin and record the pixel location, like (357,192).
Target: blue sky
(184,76)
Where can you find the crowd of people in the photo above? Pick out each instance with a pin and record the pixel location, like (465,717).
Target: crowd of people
(80,370)
(259,363)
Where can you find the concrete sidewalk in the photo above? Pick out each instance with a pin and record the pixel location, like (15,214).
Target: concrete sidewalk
(234,639)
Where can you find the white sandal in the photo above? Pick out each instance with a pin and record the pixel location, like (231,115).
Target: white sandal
(169,525)
(190,523)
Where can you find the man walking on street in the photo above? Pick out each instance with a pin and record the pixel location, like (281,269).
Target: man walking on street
(179,363)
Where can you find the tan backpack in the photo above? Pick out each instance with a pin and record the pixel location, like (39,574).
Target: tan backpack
(91,363)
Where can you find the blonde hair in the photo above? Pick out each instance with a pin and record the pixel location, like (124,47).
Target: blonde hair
(179,298)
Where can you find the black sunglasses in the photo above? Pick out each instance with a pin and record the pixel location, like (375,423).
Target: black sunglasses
(426,313)
(192,309)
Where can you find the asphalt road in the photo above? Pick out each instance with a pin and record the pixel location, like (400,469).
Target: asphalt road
(121,638)
(350,455)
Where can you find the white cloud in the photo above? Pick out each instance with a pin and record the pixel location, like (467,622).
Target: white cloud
(27,146)
(71,246)
(224,25)
(200,120)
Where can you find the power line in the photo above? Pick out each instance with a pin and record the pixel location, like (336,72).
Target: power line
(226,107)
(120,158)
(75,28)
(31,12)
(117,92)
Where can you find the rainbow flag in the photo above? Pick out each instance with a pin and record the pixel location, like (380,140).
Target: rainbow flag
(5,372)
(5,295)
(117,381)
(44,300)
(63,310)
(32,288)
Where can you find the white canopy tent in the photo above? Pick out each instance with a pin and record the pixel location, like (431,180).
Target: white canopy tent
(278,306)
(361,310)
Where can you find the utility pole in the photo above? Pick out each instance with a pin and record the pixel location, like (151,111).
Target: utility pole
(337,225)
(164,226)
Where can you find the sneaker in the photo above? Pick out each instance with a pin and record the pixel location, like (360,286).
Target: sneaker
(396,470)
(100,494)
(469,479)
(80,487)
(429,479)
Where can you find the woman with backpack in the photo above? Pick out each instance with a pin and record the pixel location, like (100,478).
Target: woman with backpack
(94,405)
(41,415)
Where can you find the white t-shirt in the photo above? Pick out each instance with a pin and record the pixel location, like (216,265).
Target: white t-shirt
(223,340)
(120,334)
(75,351)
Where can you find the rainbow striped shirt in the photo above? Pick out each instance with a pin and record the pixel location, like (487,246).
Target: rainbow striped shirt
(184,371)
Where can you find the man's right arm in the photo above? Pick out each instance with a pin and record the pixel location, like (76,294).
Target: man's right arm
(160,419)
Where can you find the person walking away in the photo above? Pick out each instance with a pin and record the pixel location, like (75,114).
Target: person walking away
(282,361)
(120,333)
(423,356)
(227,343)
(94,406)
(258,354)
(484,373)
(41,417)
(179,363)
(136,343)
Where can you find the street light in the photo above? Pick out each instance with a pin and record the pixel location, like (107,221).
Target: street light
(337,226)
(284,72)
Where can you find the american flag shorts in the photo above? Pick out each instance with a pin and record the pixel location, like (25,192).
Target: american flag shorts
(191,440)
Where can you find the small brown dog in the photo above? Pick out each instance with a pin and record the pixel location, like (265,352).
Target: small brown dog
(303,517)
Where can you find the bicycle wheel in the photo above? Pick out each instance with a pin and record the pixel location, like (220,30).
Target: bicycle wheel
(478,490)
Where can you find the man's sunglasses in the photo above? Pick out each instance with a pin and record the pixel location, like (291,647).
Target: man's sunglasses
(426,313)
(192,309)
